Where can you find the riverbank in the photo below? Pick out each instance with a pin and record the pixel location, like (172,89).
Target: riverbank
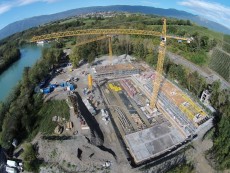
(10,77)
(8,58)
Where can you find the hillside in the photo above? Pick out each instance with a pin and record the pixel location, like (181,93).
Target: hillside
(39,20)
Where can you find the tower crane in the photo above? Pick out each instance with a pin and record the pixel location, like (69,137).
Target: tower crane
(162,47)
(159,69)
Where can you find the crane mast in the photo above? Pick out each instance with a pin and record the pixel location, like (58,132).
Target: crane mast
(110,49)
(159,69)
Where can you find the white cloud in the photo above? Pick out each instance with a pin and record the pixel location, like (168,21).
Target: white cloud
(4,7)
(210,10)
(26,2)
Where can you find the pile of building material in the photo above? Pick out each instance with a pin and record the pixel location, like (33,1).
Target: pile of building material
(59,129)
(138,121)
(57,119)
(84,125)
(117,70)
(89,106)
(13,167)
(105,116)
(129,88)
(69,125)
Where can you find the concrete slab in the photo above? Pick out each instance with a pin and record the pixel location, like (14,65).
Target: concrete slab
(151,142)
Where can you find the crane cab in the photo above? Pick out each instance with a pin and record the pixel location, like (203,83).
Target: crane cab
(163,38)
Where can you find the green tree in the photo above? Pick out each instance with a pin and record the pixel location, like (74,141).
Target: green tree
(215,90)
(75,57)
(31,163)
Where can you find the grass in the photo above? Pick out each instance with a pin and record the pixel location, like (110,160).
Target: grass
(53,153)
(50,109)
(226,43)
(227,38)
(220,62)
(182,168)
(209,134)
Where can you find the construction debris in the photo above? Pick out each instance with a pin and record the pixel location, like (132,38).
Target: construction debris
(69,125)
(58,130)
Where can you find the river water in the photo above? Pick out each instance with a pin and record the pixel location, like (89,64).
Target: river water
(9,78)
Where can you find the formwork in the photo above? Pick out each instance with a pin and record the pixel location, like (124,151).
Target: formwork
(146,134)
(191,109)
(150,133)
(117,70)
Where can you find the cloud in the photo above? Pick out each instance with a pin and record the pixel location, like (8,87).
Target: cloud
(26,2)
(213,11)
(4,7)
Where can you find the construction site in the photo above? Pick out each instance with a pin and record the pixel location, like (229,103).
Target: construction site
(147,132)
(152,115)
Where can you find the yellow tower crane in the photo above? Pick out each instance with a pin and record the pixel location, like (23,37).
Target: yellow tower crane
(162,48)
(159,70)
(90,82)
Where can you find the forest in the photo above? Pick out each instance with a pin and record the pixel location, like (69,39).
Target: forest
(19,112)
(21,109)
(9,53)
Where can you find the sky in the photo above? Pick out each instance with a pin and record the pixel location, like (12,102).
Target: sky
(14,10)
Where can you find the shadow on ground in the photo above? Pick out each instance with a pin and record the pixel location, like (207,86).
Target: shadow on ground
(97,137)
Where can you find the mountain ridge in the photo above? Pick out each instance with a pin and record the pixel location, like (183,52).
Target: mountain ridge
(27,23)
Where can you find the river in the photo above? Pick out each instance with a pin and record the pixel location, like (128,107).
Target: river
(9,78)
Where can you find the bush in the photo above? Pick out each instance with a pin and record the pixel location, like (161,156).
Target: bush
(182,168)
(31,163)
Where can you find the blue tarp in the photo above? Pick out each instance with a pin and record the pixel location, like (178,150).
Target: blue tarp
(64,84)
(53,86)
(47,90)
(71,86)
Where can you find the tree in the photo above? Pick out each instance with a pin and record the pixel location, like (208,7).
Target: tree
(29,157)
(188,22)
(75,57)
(204,42)
(196,83)
(215,90)
(3,110)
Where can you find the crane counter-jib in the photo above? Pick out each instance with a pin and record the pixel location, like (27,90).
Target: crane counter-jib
(95,32)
